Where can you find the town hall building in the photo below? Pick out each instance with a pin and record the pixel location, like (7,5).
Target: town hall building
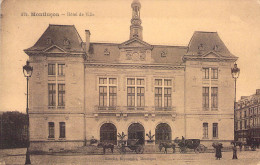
(81,90)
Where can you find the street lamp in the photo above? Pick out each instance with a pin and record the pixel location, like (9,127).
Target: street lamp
(235,74)
(27,71)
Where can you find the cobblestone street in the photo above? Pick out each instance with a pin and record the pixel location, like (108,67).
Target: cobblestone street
(17,156)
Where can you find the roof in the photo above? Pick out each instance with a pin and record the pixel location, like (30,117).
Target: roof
(205,42)
(56,35)
(96,52)
(173,54)
(251,100)
(201,45)
(251,97)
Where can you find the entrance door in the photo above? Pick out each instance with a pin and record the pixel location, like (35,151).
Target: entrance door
(163,133)
(136,131)
(108,133)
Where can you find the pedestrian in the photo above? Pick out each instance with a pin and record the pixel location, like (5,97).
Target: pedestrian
(234,151)
(240,146)
(218,148)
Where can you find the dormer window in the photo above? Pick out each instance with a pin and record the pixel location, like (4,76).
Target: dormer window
(106,52)
(216,48)
(201,47)
(48,41)
(66,42)
(163,54)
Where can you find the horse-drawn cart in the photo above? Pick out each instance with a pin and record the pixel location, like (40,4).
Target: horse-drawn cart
(131,145)
(183,145)
(194,144)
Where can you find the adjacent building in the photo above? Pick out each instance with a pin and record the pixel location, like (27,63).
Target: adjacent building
(82,90)
(248,117)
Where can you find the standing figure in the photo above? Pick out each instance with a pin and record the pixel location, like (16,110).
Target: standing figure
(218,148)
(234,152)
(240,146)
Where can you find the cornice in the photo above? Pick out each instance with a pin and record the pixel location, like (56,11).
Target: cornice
(58,54)
(133,66)
(200,58)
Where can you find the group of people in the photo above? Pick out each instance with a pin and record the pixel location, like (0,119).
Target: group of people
(218,153)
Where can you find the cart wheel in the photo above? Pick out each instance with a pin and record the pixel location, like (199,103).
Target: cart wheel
(182,149)
(139,150)
(201,148)
(198,149)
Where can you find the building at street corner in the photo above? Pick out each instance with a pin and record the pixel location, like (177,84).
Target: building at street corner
(248,117)
(82,90)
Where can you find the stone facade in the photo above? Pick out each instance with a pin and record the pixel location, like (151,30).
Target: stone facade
(248,117)
(83,90)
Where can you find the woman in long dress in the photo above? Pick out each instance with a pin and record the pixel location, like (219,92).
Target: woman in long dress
(218,151)
(218,147)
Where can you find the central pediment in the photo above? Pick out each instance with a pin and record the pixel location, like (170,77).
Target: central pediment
(54,49)
(135,43)
(211,54)
(135,51)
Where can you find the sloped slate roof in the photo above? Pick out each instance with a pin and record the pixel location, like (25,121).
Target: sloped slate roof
(96,52)
(210,41)
(173,55)
(56,34)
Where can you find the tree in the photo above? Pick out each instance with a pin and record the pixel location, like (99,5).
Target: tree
(13,130)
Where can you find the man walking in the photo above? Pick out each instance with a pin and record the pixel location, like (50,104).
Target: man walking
(234,151)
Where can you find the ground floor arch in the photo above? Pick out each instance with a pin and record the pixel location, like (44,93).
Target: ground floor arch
(163,133)
(136,131)
(108,133)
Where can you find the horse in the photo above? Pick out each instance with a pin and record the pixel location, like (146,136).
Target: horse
(106,146)
(165,146)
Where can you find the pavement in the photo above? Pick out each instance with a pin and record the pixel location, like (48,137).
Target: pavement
(17,156)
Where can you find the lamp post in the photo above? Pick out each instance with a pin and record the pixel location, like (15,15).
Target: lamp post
(235,74)
(27,71)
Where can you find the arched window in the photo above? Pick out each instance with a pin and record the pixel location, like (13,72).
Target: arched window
(163,132)
(108,133)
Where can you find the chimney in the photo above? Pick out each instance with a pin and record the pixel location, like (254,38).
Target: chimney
(87,33)
(258,92)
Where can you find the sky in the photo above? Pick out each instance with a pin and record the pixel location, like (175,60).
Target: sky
(168,22)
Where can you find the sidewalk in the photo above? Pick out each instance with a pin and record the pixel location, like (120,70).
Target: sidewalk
(244,157)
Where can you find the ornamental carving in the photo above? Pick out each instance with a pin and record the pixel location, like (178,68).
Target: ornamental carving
(136,55)
(128,55)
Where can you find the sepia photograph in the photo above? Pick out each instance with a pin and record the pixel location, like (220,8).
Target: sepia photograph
(130,82)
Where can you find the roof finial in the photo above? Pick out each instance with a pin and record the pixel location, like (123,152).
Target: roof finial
(136,3)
